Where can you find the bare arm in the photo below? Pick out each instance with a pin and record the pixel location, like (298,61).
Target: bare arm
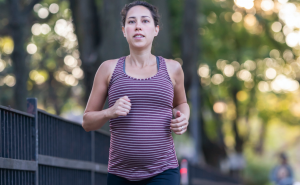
(179,102)
(94,116)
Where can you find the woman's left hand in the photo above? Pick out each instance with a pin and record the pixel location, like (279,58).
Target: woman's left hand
(179,124)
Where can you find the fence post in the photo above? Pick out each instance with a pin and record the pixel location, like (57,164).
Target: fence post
(93,156)
(32,109)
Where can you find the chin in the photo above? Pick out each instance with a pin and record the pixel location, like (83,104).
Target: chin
(139,45)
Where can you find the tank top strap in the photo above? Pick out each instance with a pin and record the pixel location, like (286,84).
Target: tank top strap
(117,73)
(163,71)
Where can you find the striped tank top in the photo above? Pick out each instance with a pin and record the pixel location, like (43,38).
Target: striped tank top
(141,143)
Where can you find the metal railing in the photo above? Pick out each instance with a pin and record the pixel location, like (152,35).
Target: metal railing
(17,149)
(39,148)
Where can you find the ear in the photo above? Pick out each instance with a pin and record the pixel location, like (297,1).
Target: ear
(123,30)
(156,30)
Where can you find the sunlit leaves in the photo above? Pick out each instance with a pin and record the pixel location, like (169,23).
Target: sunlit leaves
(219,107)
(54,8)
(2,65)
(8,80)
(228,70)
(38,29)
(39,76)
(237,17)
(242,96)
(252,59)
(203,71)
(276,26)
(271,73)
(6,45)
(31,48)
(267,5)
(43,13)
(248,4)
(212,18)
(293,39)
(217,79)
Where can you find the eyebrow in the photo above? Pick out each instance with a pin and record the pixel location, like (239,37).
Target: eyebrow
(135,17)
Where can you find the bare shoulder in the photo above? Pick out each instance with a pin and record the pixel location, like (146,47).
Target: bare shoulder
(174,69)
(106,69)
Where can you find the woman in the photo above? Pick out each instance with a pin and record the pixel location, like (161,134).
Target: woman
(143,91)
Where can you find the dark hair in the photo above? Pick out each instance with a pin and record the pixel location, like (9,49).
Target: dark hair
(283,156)
(151,8)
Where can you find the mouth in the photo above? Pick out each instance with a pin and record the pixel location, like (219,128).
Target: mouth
(138,36)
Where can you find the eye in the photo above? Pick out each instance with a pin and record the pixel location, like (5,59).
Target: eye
(146,20)
(130,21)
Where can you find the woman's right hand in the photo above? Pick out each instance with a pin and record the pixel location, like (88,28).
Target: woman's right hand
(121,107)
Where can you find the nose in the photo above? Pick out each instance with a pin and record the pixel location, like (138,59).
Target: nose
(138,26)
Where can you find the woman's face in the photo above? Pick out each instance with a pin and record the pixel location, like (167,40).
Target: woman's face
(139,21)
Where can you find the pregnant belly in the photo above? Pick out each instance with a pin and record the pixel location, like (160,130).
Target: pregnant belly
(140,148)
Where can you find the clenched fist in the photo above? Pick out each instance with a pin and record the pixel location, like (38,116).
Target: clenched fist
(179,124)
(121,107)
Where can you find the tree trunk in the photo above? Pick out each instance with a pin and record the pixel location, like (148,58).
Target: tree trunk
(259,148)
(18,27)
(190,50)
(52,83)
(114,44)
(213,151)
(86,23)
(4,28)
(162,43)
(189,42)
(239,142)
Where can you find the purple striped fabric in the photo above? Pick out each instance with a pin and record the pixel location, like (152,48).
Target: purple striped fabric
(141,143)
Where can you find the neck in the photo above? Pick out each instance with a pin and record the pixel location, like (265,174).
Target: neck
(141,57)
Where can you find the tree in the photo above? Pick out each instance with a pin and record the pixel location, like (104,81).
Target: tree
(20,15)
(190,54)
(87,29)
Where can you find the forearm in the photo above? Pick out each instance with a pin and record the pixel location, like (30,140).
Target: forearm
(183,108)
(95,120)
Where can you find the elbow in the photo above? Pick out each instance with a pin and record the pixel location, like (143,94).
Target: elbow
(85,127)
(84,124)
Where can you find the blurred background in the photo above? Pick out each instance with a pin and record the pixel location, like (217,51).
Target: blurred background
(241,60)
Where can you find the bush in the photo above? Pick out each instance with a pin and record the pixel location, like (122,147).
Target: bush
(257,172)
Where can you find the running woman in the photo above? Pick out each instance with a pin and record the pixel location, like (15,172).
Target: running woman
(144,92)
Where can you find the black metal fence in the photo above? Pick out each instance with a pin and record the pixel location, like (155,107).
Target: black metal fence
(38,148)
(41,148)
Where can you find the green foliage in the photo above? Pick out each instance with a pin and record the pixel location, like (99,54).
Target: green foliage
(48,70)
(176,10)
(257,170)
(256,173)
(224,41)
